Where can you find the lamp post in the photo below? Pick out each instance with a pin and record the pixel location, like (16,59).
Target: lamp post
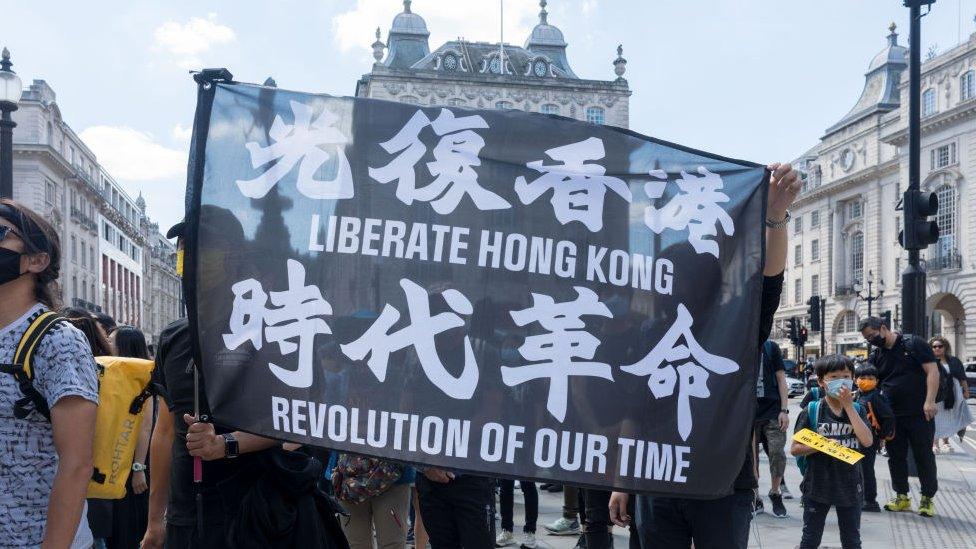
(870,296)
(10,90)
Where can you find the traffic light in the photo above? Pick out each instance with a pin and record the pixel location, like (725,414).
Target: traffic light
(814,312)
(886,317)
(919,231)
(803,335)
(794,332)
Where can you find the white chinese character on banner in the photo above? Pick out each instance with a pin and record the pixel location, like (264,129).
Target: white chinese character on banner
(578,188)
(295,315)
(686,365)
(553,353)
(301,144)
(455,156)
(695,208)
(379,343)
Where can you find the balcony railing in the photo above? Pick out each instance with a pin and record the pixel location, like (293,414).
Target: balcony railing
(75,302)
(84,176)
(84,220)
(944,262)
(843,290)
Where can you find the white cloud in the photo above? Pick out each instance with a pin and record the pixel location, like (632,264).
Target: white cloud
(181,133)
(187,42)
(588,7)
(131,155)
(354,30)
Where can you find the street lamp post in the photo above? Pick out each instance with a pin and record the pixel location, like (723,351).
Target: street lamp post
(870,296)
(10,90)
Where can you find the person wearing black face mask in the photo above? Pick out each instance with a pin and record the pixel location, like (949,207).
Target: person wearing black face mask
(909,378)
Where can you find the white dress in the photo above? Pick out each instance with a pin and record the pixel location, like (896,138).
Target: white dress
(949,421)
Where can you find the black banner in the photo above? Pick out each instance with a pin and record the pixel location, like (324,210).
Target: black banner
(485,291)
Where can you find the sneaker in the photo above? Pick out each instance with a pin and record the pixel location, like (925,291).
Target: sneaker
(779,510)
(554,488)
(528,541)
(926,507)
(757,507)
(545,485)
(563,527)
(785,491)
(505,538)
(899,503)
(871,507)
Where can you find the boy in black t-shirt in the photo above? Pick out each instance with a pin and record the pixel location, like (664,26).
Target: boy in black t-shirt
(829,481)
(882,423)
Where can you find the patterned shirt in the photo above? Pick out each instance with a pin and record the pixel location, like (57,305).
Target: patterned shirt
(63,366)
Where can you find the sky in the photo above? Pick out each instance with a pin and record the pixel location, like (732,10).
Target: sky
(753,79)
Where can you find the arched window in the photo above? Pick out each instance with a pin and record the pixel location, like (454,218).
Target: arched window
(967,86)
(857,257)
(946,219)
(549,108)
(928,102)
(847,322)
(503,105)
(410,100)
(594,115)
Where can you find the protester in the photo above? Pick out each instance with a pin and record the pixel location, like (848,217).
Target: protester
(772,421)
(828,481)
(953,416)
(507,499)
(882,423)
(99,510)
(130,514)
(909,380)
(105,320)
(568,524)
(376,495)
(46,463)
(723,522)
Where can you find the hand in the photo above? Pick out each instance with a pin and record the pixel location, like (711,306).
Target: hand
(155,535)
(139,484)
(202,440)
(438,475)
(618,509)
(784,421)
(930,410)
(846,398)
(784,185)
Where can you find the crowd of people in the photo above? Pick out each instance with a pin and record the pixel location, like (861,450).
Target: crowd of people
(196,484)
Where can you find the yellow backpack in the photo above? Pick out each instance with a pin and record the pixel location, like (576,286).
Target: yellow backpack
(123,388)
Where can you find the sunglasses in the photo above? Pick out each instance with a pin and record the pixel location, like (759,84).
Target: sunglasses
(937,346)
(5,230)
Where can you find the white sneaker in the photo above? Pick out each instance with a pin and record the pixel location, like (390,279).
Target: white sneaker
(528,541)
(504,539)
(563,527)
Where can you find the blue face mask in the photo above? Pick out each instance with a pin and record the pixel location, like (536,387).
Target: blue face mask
(834,386)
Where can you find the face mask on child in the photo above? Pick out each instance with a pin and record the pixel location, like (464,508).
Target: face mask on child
(866,385)
(834,386)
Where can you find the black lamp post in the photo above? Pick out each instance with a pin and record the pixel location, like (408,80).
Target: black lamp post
(870,296)
(10,91)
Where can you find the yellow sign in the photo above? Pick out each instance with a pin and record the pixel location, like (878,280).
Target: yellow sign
(857,353)
(830,447)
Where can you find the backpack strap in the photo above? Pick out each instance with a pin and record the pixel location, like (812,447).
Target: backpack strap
(22,367)
(813,418)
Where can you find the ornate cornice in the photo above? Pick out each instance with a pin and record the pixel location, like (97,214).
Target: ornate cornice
(963,111)
(844,183)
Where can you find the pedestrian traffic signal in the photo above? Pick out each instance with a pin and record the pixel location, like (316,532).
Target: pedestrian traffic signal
(814,311)
(803,335)
(919,231)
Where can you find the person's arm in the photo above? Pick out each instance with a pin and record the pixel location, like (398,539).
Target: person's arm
(73,426)
(618,509)
(784,400)
(861,429)
(161,457)
(203,441)
(784,185)
(142,447)
(931,388)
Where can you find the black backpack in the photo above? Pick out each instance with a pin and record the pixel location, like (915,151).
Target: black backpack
(944,394)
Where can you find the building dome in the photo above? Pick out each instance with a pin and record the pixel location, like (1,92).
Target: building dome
(893,53)
(545,34)
(408,22)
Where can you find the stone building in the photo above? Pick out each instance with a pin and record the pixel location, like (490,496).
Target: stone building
(536,77)
(846,221)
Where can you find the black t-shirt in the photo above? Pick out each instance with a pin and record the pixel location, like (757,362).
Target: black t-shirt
(173,381)
(828,479)
(768,403)
(901,374)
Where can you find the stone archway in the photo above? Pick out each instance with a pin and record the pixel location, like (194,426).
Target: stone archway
(947,318)
(847,340)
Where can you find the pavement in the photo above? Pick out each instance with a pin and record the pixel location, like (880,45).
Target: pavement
(954,525)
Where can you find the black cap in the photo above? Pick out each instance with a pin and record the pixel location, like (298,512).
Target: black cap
(176,231)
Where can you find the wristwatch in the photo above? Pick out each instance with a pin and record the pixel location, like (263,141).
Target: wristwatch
(138,467)
(784,411)
(231,448)
(777,224)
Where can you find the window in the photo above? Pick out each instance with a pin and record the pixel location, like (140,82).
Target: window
(74,249)
(49,193)
(798,291)
(504,105)
(84,255)
(798,224)
(91,257)
(815,219)
(410,100)
(815,250)
(928,102)
(967,86)
(943,156)
(857,257)
(854,210)
(549,108)
(946,219)
(594,115)
(797,255)
(815,285)
(74,286)
(848,322)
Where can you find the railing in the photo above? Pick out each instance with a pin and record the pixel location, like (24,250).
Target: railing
(84,220)
(87,179)
(843,290)
(944,262)
(75,302)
